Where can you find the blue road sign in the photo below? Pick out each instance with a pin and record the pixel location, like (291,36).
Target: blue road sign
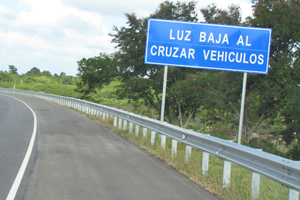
(208,46)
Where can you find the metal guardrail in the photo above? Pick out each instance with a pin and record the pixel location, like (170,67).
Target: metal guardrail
(282,170)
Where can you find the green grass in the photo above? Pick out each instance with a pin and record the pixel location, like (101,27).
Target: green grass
(50,88)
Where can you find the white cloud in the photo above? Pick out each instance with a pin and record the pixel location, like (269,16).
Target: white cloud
(49,13)
(4,11)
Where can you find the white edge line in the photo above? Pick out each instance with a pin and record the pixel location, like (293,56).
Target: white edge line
(15,186)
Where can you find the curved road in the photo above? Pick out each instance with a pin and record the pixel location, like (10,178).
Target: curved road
(77,158)
(16,126)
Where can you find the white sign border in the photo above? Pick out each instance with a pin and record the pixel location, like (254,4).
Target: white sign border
(202,67)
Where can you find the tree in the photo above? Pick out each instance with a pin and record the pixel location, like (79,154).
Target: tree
(46,73)
(292,117)
(192,93)
(283,17)
(6,77)
(13,69)
(33,72)
(264,94)
(141,81)
(94,73)
(231,16)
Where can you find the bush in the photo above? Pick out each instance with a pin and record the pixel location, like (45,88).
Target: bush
(6,85)
(265,145)
(293,154)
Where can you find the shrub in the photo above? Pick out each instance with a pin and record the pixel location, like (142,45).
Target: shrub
(293,153)
(264,145)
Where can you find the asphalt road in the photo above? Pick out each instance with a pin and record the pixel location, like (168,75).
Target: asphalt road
(77,158)
(16,126)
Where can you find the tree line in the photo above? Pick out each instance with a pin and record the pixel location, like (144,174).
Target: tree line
(35,75)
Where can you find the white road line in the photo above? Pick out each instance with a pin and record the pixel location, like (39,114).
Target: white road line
(15,186)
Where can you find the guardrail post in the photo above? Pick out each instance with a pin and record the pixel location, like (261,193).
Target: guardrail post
(130,127)
(205,162)
(255,184)
(115,121)
(144,133)
(293,195)
(188,153)
(163,141)
(137,130)
(124,124)
(103,116)
(153,133)
(120,123)
(226,174)
(174,147)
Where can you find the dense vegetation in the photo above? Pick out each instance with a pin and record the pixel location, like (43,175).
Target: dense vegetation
(35,80)
(204,100)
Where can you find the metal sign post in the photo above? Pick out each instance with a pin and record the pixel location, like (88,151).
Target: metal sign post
(242,108)
(162,112)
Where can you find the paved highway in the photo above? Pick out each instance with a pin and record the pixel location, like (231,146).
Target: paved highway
(16,127)
(76,158)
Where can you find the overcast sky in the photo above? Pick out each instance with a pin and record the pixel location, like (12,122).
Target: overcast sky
(53,35)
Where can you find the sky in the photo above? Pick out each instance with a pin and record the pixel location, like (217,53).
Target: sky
(53,35)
